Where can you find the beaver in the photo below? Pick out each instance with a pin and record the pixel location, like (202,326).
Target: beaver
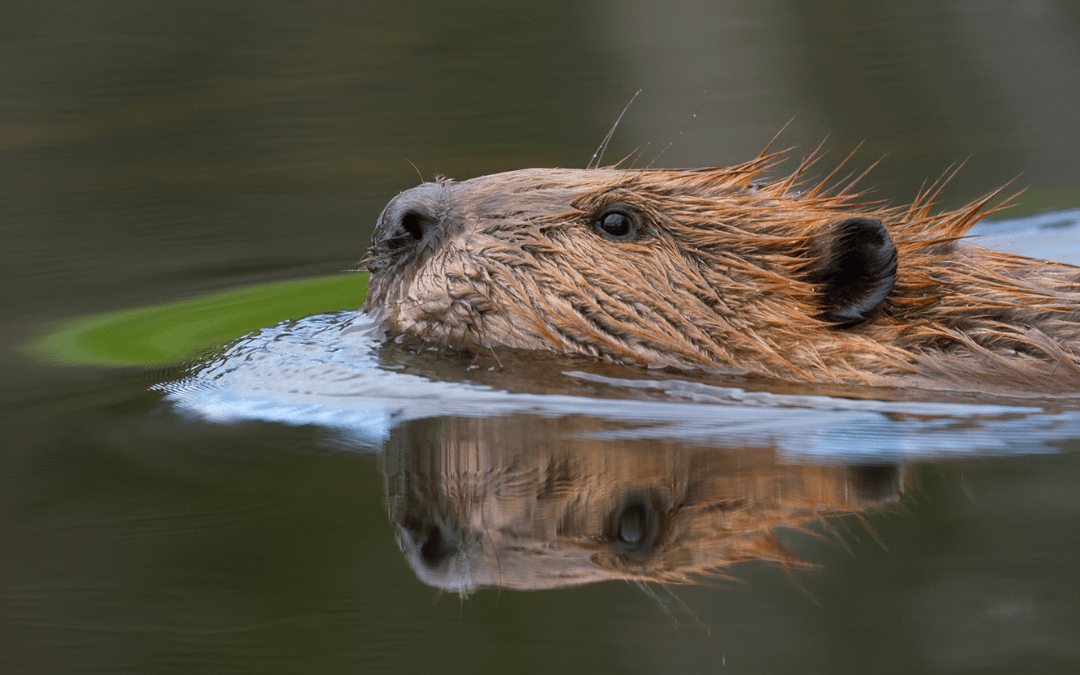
(721,270)
(530,502)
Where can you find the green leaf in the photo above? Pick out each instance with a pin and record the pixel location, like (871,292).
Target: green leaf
(166,333)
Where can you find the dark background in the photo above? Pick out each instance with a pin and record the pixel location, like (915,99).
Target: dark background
(155,150)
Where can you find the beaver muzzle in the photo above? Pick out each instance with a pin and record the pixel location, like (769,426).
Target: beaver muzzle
(411,225)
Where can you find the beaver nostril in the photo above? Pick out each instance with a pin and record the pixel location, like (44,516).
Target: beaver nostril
(414,223)
(436,548)
(428,539)
(405,230)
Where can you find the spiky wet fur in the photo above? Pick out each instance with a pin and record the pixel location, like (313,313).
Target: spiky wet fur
(719,281)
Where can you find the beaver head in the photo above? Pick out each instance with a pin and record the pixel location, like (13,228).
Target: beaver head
(707,268)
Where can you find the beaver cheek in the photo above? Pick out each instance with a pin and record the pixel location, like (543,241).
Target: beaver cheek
(855,271)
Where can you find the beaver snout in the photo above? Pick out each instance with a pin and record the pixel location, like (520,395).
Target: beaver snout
(428,539)
(405,228)
(415,221)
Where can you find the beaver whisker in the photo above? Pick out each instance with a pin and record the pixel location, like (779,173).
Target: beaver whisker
(464,335)
(686,608)
(693,116)
(634,152)
(643,585)
(598,156)
(477,322)
(417,170)
(639,154)
(495,356)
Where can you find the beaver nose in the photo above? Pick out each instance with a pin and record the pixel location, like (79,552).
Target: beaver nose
(406,228)
(428,538)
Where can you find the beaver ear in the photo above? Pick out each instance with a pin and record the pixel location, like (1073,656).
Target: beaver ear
(857,269)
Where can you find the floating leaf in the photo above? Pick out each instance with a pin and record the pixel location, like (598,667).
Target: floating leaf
(163,334)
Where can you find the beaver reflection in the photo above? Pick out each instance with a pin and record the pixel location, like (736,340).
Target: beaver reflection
(528,503)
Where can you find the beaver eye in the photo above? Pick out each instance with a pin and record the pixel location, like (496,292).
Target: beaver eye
(617,224)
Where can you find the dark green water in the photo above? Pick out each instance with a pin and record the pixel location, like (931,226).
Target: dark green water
(160,150)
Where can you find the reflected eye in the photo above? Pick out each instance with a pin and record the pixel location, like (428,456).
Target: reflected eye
(632,523)
(617,223)
(635,526)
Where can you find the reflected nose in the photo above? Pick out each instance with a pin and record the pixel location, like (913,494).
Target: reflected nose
(430,541)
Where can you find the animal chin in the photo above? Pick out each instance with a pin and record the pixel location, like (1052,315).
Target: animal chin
(440,321)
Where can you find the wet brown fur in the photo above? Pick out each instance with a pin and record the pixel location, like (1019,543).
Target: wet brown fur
(720,280)
(536,508)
